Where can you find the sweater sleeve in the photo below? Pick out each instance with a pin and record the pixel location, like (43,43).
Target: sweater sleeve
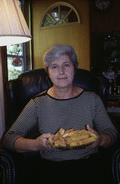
(102,120)
(26,120)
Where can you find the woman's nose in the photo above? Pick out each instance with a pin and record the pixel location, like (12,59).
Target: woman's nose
(61,70)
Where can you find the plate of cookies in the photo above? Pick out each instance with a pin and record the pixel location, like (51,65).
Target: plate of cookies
(70,139)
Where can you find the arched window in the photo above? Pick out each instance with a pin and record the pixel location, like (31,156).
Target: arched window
(60,13)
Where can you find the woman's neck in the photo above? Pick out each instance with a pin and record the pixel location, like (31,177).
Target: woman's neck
(64,93)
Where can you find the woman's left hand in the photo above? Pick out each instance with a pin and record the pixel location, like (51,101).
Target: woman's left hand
(103,140)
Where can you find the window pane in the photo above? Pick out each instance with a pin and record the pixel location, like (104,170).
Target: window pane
(72,17)
(47,21)
(15,50)
(54,13)
(15,67)
(64,11)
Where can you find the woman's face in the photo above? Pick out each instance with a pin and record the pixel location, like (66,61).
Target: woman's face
(61,72)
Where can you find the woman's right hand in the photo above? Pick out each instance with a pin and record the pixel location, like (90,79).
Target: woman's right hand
(41,142)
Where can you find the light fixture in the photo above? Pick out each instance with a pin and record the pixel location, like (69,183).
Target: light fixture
(13,30)
(13,27)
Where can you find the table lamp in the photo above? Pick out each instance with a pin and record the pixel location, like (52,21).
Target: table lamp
(13,30)
(13,27)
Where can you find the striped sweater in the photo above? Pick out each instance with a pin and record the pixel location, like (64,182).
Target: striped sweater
(50,114)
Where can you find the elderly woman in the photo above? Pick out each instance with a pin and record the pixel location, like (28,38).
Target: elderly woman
(67,106)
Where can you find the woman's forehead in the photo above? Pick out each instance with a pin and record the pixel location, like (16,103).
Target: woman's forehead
(61,59)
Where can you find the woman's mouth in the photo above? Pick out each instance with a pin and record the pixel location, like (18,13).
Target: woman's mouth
(62,78)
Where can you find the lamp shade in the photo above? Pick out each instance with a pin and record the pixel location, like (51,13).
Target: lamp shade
(13,27)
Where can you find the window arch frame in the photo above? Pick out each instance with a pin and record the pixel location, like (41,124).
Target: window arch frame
(58,4)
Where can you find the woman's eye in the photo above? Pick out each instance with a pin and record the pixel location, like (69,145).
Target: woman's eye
(54,67)
(66,65)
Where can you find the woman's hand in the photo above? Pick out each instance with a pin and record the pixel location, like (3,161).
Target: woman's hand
(103,140)
(41,142)
(22,144)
